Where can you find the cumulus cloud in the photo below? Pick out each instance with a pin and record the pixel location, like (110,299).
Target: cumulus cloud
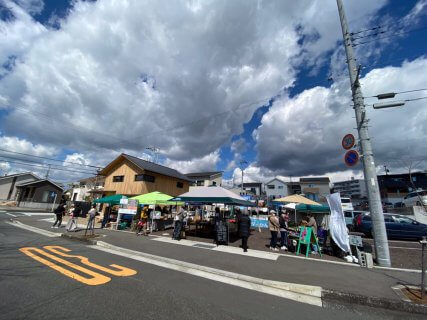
(31,6)
(206,163)
(24,146)
(128,74)
(302,135)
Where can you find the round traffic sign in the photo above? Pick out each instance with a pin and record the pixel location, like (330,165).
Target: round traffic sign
(348,141)
(351,158)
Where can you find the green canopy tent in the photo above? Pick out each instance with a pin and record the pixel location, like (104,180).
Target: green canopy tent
(156,198)
(312,208)
(112,200)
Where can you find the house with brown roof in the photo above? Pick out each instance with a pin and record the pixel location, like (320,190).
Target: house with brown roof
(130,176)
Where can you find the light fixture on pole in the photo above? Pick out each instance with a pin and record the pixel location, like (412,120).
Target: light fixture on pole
(242,162)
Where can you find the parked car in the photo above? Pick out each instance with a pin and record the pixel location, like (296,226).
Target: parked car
(346,204)
(415,198)
(399,205)
(397,226)
(387,205)
(349,216)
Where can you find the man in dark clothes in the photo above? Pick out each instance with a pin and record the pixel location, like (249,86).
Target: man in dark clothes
(59,212)
(244,229)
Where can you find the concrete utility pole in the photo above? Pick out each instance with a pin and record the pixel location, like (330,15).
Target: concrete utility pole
(242,162)
(377,216)
(47,172)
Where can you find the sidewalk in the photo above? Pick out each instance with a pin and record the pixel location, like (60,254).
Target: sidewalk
(346,282)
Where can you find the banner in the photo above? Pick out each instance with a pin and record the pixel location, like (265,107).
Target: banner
(337,225)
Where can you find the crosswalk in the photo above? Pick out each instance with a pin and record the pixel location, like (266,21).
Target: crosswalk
(24,214)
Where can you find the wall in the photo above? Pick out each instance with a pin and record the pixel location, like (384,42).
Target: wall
(38,195)
(320,189)
(276,192)
(131,187)
(5,185)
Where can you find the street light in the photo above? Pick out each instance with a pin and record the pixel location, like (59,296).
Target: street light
(242,162)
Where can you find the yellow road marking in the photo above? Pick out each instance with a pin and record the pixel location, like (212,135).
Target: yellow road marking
(121,272)
(95,277)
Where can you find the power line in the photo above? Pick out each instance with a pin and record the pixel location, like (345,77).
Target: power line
(45,158)
(389,36)
(44,166)
(400,92)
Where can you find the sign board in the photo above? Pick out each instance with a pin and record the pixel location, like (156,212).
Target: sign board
(260,222)
(123,201)
(348,141)
(355,241)
(127,211)
(351,158)
(307,237)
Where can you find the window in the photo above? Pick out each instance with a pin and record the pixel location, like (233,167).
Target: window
(388,219)
(271,186)
(118,178)
(279,187)
(179,185)
(214,183)
(145,177)
(404,220)
(200,183)
(348,214)
(366,218)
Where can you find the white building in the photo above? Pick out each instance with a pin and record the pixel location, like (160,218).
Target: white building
(205,179)
(354,188)
(276,189)
(85,189)
(315,188)
(8,184)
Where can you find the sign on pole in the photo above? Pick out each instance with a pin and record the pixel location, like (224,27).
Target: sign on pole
(348,141)
(351,158)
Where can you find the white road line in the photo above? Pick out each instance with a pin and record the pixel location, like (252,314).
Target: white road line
(251,253)
(9,214)
(34,229)
(31,214)
(301,293)
(406,248)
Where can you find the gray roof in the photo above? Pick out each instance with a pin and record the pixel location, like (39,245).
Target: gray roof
(39,181)
(203,174)
(19,174)
(154,167)
(315,179)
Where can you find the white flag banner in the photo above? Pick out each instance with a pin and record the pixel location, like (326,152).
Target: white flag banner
(337,226)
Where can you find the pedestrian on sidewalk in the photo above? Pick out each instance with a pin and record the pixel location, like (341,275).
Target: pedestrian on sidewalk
(244,229)
(59,212)
(142,223)
(283,222)
(91,222)
(273,226)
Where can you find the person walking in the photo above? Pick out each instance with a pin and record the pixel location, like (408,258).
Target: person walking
(273,226)
(106,217)
(74,219)
(59,212)
(283,223)
(244,224)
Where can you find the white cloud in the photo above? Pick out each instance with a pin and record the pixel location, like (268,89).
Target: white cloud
(302,135)
(206,163)
(128,74)
(24,146)
(31,6)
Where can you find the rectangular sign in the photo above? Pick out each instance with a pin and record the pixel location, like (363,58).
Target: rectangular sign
(355,241)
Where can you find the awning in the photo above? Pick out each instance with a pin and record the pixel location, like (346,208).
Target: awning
(156,197)
(209,195)
(113,199)
(297,198)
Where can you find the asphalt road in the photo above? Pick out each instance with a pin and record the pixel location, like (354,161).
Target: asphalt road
(32,290)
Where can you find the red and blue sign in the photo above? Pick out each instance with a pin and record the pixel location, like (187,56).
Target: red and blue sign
(348,141)
(351,158)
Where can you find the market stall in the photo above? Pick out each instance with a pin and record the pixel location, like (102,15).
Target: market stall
(159,220)
(112,201)
(295,201)
(223,198)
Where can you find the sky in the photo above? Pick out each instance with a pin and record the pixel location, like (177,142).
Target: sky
(209,84)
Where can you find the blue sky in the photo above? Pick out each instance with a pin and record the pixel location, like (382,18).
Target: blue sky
(85,55)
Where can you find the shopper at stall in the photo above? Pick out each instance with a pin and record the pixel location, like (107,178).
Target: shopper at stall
(179,218)
(283,222)
(244,224)
(312,223)
(273,226)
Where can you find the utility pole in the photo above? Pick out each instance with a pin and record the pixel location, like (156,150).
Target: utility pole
(375,205)
(242,162)
(47,172)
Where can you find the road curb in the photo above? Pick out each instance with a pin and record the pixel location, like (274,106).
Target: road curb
(331,297)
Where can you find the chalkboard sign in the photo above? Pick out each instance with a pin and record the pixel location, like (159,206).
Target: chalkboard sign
(221,232)
(307,237)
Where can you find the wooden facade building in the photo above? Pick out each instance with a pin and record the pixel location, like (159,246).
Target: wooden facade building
(133,176)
